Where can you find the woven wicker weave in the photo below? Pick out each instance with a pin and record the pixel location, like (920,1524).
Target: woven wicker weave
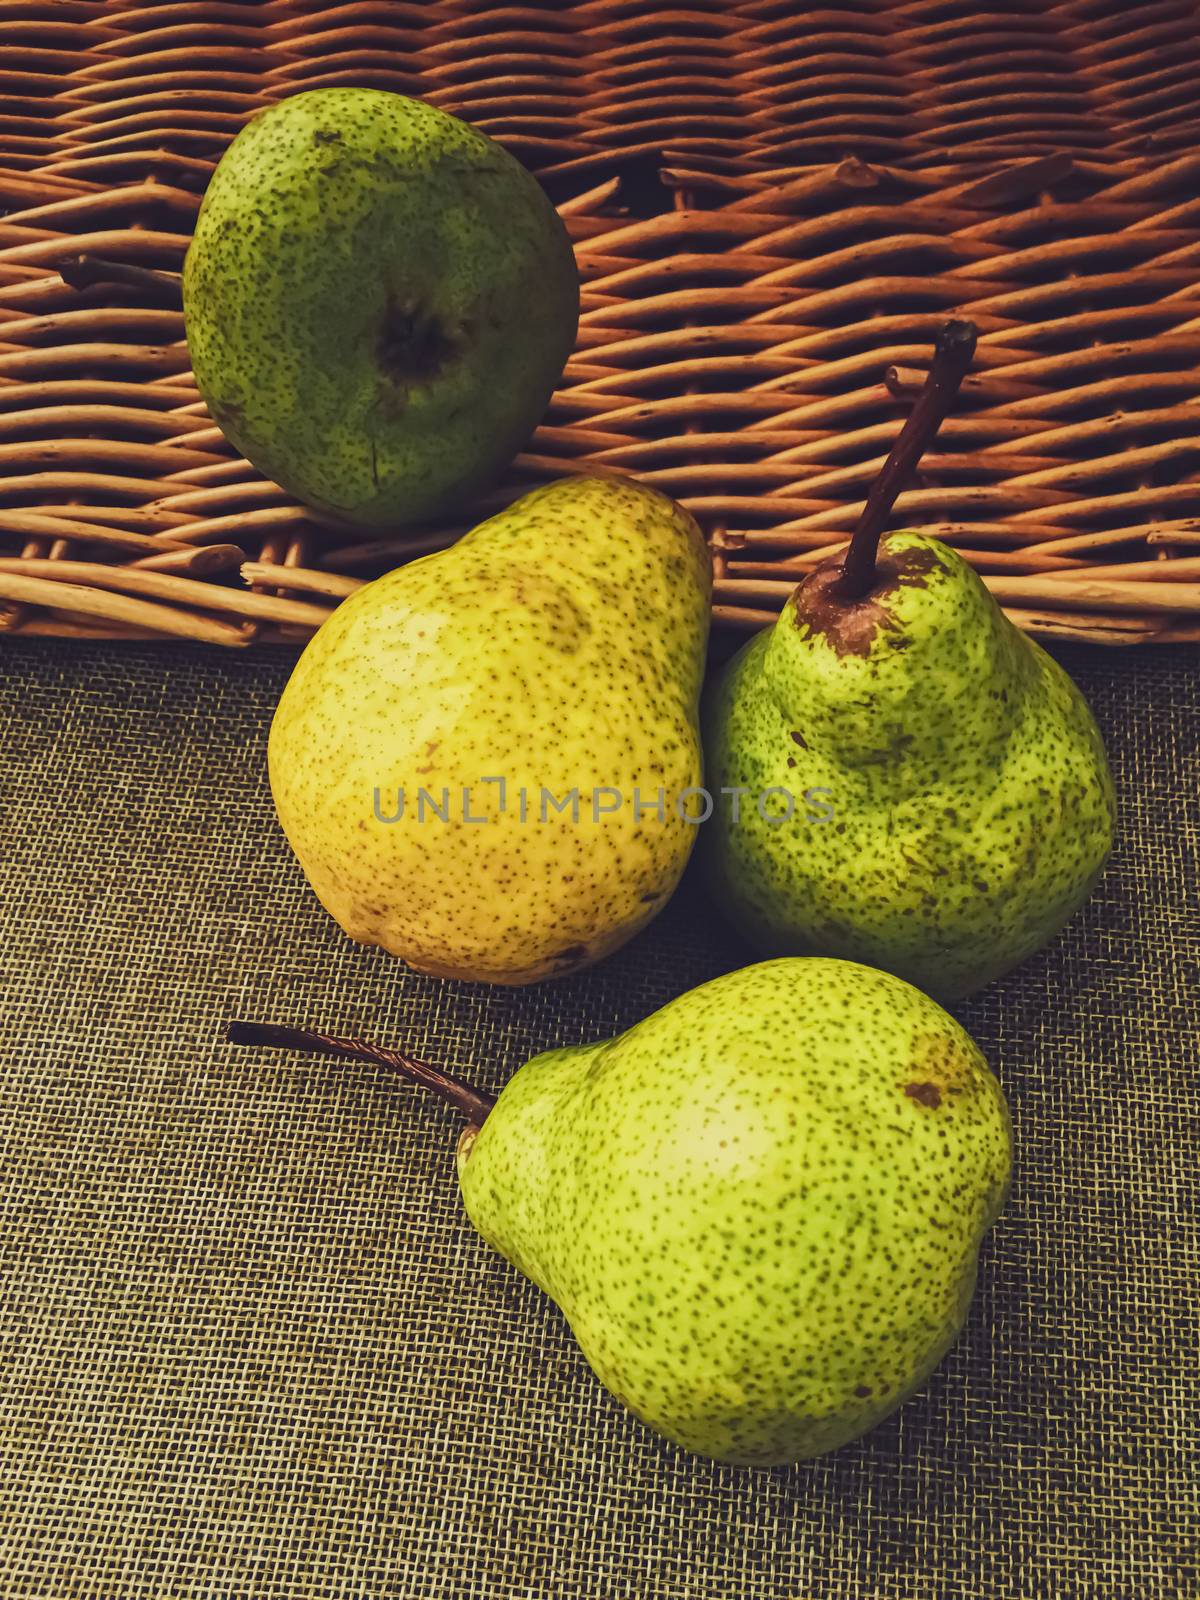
(773,207)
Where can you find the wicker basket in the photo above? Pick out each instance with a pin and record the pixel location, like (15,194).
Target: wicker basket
(773,207)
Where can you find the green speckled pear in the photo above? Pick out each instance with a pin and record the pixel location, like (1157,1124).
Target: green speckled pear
(555,651)
(959,804)
(379,301)
(760,1209)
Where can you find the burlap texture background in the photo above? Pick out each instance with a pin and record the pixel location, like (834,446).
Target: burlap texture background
(251,1348)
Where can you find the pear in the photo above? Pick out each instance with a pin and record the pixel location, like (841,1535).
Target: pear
(379,301)
(479,759)
(944,802)
(760,1209)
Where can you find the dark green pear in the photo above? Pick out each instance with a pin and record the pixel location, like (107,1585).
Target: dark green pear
(379,302)
(959,805)
(760,1209)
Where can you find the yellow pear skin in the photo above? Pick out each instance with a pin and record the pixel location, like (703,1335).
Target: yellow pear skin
(557,650)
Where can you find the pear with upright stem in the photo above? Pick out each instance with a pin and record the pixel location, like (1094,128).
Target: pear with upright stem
(966,805)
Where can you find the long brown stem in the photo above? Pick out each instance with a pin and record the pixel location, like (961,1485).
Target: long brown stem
(160,288)
(951,357)
(472,1103)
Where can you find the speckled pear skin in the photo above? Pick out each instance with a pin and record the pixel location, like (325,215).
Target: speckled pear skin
(560,644)
(379,301)
(760,1209)
(973,805)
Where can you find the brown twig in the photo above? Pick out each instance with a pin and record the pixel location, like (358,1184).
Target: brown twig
(304,579)
(86,272)
(470,1102)
(60,593)
(952,356)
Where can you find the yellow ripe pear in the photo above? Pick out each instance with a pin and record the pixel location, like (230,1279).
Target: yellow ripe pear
(482,759)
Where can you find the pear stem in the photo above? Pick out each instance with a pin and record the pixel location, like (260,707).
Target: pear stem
(159,288)
(470,1102)
(952,354)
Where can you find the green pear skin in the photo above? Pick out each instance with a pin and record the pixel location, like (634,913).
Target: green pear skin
(558,646)
(760,1209)
(379,302)
(972,805)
